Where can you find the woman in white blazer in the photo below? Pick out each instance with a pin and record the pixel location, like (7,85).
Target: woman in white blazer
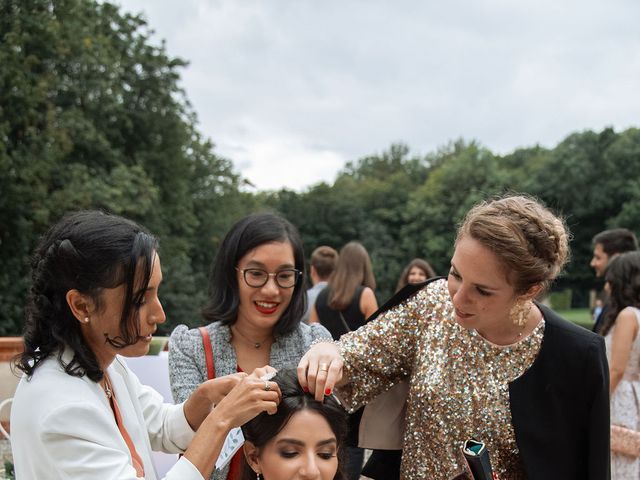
(79,412)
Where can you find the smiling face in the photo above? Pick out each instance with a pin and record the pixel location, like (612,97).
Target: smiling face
(479,290)
(305,449)
(104,321)
(416,275)
(261,308)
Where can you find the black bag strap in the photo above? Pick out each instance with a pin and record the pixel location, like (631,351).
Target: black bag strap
(344,322)
(404,293)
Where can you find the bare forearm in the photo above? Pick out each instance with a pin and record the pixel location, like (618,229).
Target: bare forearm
(207,443)
(196,408)
(614,380)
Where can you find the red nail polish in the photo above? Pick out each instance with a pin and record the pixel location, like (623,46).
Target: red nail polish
(327,391)
(306,389)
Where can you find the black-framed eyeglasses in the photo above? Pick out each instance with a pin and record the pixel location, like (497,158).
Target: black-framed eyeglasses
(257,277)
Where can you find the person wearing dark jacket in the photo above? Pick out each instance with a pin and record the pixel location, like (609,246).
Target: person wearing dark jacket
(483,360)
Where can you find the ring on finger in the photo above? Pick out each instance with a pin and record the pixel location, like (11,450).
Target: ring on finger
(267,387)
(323,367)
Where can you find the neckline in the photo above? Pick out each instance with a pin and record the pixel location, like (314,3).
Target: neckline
(517,343)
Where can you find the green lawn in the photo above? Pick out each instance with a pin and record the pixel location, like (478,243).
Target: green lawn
(579,316)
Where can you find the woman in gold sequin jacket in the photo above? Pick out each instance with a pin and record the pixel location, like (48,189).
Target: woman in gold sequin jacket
(483,359)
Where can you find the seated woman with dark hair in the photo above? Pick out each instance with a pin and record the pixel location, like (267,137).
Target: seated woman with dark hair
(303,439)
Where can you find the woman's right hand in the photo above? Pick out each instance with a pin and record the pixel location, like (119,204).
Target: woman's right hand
(320,369)
(250,397)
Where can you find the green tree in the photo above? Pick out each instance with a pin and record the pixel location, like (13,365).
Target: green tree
(91,116)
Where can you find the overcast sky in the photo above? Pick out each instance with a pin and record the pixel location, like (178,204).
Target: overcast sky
(292,90)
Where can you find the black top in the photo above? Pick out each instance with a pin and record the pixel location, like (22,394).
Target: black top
(330,318)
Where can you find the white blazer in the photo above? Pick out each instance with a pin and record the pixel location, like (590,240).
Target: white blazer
(62,427)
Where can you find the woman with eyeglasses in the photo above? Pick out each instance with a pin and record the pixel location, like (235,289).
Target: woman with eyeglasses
(256,301)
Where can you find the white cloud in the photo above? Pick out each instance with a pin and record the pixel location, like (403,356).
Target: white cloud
(291,90)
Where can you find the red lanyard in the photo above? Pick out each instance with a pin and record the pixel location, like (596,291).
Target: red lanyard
(135,457)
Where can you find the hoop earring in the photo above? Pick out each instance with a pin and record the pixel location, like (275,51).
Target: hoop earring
(519,313)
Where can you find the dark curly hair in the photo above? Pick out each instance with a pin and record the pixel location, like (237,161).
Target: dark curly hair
(248,233)
(87,251)
(265,427)
(623,277)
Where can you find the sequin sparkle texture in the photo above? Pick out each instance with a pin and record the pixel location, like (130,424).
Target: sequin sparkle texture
(459,383)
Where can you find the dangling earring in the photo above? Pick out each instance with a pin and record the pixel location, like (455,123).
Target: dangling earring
(258,476)
(519,313)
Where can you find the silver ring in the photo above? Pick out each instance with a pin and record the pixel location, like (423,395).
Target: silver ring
(267,387)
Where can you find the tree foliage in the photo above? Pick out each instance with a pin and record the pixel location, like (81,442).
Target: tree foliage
(92,116)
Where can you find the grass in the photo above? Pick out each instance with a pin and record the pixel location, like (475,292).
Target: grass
(579,316)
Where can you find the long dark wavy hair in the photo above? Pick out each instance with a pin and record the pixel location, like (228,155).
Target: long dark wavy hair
(623,277)
(87,251)
(247,234)
(265,427)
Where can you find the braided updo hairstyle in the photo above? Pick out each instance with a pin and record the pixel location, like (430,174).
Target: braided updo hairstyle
(531,242)
(265,427)
(87,251)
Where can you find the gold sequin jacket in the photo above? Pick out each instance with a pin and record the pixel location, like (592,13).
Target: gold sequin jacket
(541,405)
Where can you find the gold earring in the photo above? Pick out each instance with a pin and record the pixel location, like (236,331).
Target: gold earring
(519,313)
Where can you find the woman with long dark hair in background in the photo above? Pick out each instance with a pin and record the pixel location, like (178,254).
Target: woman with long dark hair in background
(418,270)
(620,330)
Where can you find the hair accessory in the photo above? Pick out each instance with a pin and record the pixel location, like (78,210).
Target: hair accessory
(269,376)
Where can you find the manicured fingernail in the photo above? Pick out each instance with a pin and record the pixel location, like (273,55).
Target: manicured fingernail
(327,391)
(306,389)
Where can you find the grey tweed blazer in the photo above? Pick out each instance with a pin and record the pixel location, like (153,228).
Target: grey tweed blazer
(188,368)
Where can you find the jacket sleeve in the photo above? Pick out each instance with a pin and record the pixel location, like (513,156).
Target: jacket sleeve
(185,364)
(166,424)
(599,424)
(79,442)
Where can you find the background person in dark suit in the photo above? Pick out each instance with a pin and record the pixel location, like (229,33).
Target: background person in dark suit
(606,245)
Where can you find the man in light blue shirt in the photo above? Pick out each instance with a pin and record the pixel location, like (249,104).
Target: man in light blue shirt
(323,261)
